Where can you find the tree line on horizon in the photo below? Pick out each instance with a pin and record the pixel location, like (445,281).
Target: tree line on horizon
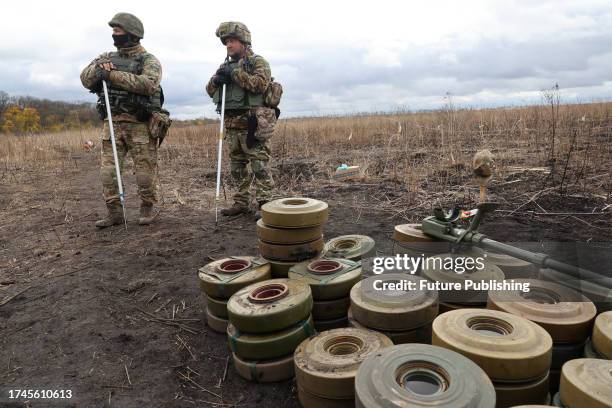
(23,115)
(20,115)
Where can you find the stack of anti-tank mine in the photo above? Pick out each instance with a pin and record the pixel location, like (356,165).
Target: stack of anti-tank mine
(351,247)
(326,365)
(518,351)
(220,279)
(600,345)
(513,268)
(564,313)
(405,316)
(409,239)
(330,280)
(332,276)
(514,352)
(268,320)
(420,375)
(587,382)
(437,270)
(597,289)
(291,231)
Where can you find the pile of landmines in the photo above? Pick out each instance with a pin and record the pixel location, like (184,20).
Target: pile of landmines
(496,357)
(585,383)
(351,247)
(599,294)
(514,352)
(326,365)
(436,270)
(588,382)
(420,375)
(600,345)
(404,317)
(409,239)
(268,320)
(330,280)
(290,231)
(219,280)
(564,313)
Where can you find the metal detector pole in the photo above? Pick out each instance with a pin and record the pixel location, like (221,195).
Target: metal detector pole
(219,156)
(115,155)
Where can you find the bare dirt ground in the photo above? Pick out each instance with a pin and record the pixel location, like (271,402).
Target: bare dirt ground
(117,316)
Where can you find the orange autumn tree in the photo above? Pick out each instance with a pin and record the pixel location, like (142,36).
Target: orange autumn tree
(19,120)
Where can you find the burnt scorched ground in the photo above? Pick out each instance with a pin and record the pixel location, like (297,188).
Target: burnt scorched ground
(117,316)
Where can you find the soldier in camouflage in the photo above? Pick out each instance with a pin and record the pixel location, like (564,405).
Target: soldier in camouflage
(133,77)
(249,124)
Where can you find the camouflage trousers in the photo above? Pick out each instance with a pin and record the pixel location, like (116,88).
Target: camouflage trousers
(258,157)
(132,138)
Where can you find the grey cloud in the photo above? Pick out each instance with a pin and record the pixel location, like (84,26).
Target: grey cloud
(336,78)
(492,65)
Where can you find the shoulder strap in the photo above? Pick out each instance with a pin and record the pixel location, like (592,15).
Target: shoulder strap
(141,58)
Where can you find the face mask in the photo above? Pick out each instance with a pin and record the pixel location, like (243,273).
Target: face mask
(121,40)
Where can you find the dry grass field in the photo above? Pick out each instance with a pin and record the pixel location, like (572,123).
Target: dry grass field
(429,154)
(117,315)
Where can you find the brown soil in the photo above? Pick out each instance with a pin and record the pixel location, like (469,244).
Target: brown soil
(81,319)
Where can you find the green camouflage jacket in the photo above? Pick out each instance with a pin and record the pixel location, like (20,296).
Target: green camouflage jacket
(253,74)
(144,84)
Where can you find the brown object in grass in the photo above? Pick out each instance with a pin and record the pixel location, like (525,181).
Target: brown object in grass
(483,164)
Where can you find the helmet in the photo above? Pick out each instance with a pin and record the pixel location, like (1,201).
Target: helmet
(129,23)
(234,29)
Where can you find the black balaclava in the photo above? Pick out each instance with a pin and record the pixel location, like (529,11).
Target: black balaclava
(125,40)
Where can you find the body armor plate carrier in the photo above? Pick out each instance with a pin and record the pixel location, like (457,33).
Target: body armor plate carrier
(237,97)
(122,101)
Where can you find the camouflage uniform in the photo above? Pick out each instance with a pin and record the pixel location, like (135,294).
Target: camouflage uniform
(132,133)
(253,75)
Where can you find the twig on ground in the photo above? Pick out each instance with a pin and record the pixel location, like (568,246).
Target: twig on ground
(186,347)
(222,379)
(164,305)
(127,374)
(168,322)
(151,298)
(590,225)
(192,370)
(183,376)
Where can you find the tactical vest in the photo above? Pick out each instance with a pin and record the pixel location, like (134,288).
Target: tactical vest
(122,101)
(237,97)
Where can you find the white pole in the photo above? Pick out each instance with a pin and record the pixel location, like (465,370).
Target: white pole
(115,155)
(219,155)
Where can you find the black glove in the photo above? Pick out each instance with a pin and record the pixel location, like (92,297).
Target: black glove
(220,79)
(251,128)
(102,74)
(227,70)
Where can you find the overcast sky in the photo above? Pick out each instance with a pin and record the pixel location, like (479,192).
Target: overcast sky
(332,57)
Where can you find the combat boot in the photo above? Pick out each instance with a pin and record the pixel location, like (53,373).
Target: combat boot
(258,212)
(235,209)
(146,213)
(114,217)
